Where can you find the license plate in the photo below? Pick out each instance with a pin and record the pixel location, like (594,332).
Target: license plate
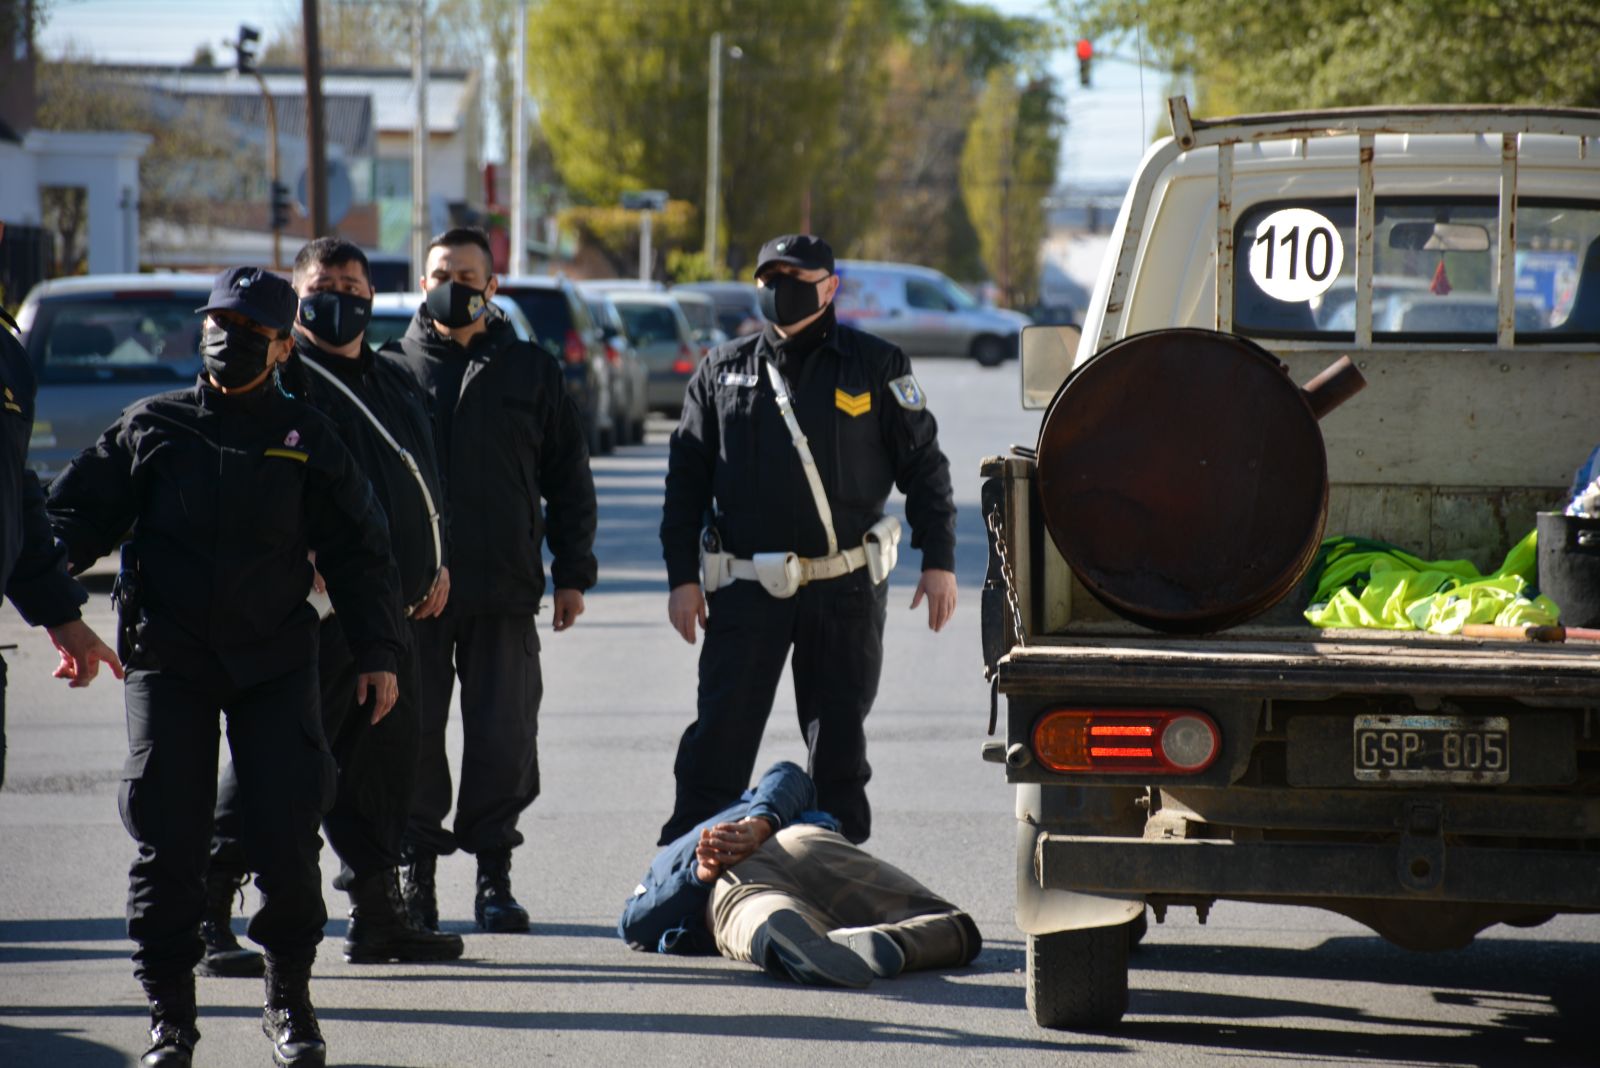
(1433,749)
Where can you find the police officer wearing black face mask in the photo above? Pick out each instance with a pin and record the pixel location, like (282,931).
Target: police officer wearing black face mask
(790,442)
(33,569)
(384,420)
(227,487)
(509,435)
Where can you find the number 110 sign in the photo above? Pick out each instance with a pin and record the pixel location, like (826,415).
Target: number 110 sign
(1296,254)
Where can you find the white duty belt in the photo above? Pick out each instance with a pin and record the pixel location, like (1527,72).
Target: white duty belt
(319,601)
(782,574)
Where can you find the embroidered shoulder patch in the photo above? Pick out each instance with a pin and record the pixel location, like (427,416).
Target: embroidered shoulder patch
(852,404)
(908,393)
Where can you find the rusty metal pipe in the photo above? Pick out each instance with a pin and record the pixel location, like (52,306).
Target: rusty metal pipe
(1337,383)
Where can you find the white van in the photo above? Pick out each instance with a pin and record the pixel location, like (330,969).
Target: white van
(924,312)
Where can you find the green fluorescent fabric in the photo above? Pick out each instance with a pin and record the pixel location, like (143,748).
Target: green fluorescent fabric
(1366,583)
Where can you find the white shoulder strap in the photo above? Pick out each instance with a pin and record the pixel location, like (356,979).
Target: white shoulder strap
(803,447)
(405,457)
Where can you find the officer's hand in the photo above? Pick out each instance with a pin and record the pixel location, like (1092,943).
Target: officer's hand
(940,588)
(82,653)
(434,603)
(568,607)
(385,690)
(685,606)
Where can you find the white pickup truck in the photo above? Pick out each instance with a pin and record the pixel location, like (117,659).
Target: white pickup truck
(1427,786)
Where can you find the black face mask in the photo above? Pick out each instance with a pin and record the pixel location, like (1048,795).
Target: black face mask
(234,356)
(455,305)
(785,299)
(337,318)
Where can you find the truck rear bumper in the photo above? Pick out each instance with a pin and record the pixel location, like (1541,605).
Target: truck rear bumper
(1419,869)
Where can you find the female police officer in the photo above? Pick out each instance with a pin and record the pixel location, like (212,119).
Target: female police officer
(227,486)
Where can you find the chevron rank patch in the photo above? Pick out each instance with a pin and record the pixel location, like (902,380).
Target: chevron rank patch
(908,393)
(852,405)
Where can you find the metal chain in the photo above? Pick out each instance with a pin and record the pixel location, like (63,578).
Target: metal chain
(1008,576)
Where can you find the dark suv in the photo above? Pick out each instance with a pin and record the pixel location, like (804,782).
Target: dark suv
(562,324)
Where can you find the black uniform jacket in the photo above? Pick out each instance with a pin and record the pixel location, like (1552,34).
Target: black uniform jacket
(225,495)
(732,446)
(509,435)
(391,393)
(33,567)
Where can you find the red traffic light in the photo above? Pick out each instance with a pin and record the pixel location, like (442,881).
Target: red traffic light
(1085,48)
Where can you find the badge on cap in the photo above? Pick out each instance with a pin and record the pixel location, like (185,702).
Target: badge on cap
(908,393)
(244,281)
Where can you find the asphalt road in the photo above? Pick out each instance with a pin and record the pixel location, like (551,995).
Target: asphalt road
(1255,985)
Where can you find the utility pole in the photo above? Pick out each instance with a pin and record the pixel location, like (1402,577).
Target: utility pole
(519,148)
(420,223)
(714,154)
(316,129)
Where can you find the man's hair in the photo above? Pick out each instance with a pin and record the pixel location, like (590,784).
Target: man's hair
(328,252)
(460,237)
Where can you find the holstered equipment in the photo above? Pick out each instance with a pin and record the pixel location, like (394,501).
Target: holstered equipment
(783,573)
(127,594)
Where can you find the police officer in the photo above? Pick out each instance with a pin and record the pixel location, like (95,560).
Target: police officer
(509,435)
(790,441)
(227,486)
(33,569)
(384,420)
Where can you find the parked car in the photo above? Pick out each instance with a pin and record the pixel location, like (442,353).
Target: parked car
(657,328)
(99,343)
(924,312)
(630,380)
(562,324)
(735,305)
(699,309)
(392,314)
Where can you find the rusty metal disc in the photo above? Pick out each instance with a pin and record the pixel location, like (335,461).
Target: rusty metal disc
(1183,477)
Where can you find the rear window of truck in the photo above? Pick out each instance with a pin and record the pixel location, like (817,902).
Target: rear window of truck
(1434,270)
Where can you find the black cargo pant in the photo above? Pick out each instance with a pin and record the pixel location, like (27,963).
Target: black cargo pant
(836,630)
(286,782)
(377,768)
(496,657)
(2,722)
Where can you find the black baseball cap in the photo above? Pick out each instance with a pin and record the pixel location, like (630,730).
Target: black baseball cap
(255,293)
(805,251)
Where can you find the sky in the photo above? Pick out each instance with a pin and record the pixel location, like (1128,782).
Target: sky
(1106,135)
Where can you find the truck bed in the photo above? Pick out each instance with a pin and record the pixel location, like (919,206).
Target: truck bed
(1302,662)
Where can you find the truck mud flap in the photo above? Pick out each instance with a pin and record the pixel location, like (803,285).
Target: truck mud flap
(1419,868)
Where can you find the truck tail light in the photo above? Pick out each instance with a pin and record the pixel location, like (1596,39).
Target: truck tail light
(572,349)
(684,364)
(1122,741)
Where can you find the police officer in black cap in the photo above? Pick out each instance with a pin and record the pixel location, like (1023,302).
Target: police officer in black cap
(228,486)
(777,479)
(33,569)
(384,420)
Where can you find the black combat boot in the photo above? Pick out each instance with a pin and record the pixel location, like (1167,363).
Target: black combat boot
(496,910)
(225,958)
(289,1020)
(417,888)
(172,1025)
(381,929)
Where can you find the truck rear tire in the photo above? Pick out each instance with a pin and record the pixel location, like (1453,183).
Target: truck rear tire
(1078,980)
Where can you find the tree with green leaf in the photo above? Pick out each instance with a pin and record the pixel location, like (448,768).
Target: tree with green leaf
(1008,168)
(1265,55)
(623,90)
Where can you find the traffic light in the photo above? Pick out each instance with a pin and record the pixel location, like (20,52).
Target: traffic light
(245,49)
(280,206)
(1085,54)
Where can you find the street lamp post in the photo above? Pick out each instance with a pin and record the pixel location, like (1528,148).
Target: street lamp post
(245,63)
(714,147)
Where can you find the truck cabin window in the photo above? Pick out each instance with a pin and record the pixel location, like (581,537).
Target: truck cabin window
(1434,270)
